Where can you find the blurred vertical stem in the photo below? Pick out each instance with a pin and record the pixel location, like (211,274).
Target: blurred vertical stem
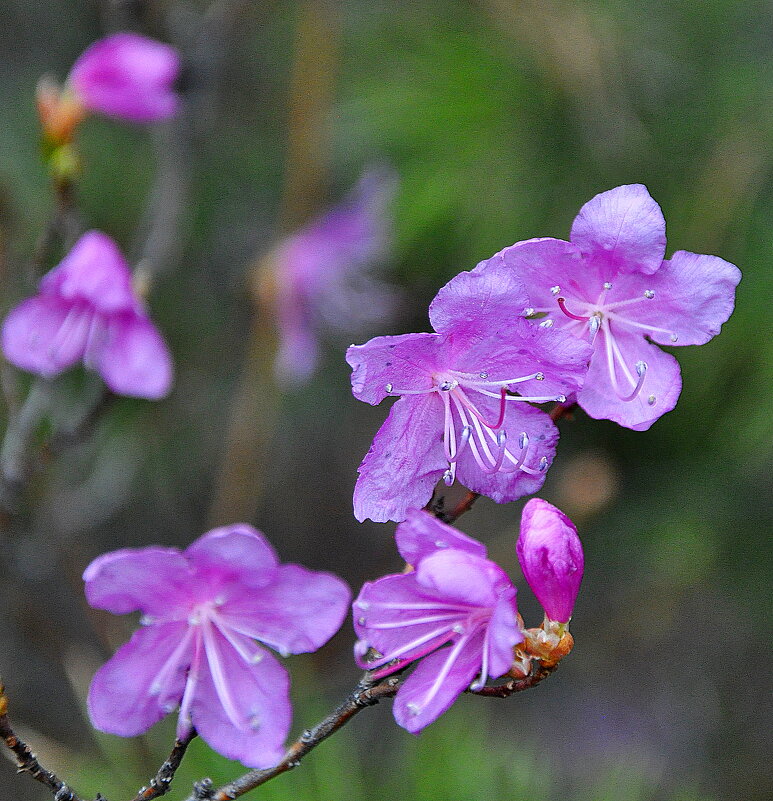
(255,405)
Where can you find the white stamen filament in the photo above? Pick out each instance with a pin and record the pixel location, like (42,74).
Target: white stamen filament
(219,678)
(443,672)
(416,621)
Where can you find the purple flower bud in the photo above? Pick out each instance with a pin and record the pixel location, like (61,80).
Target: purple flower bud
(127,76)
(551,558)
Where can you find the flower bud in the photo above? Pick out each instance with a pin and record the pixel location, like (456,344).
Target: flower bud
(60,112)
(551,558)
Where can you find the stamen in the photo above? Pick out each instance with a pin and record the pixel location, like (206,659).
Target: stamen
(414,622)
(390,390)
(442,631)
(443,672)
(644,327)
(607,286)
(562,305)
(594,324)
(171,664)
(651,400)
(641,372)
(649,294)
(463,440)
(481,680)
(502,408)
(546,323)
(220,679)
(554,290)
(184,722)
(528,311)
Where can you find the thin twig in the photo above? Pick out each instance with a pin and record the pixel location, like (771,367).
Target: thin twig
(539,672)
(26,761)
(562,410)
(161,783)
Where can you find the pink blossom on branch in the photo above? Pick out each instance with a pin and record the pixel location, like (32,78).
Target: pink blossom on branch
(88,312)
(127,76)
(611,286)
(455,612)
(203,610)
(464,410)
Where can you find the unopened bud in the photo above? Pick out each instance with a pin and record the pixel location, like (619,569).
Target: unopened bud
(60,112)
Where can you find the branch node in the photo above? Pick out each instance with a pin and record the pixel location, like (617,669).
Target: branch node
(203,790)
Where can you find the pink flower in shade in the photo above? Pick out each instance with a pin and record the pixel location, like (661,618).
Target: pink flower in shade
(456,612)
(322,275)
(551,557)
(127,76)
(203,609)
(462,411)
(87,312)
(610,285)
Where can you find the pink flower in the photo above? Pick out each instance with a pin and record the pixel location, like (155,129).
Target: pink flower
(455,612)
(87,312)
(611,285)
(551,557)
(322,277)
(127,76)
(203,609)
(463,411)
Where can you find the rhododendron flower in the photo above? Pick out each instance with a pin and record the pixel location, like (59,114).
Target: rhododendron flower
(320,276)
(203,609)
(456,612)
(551,557)
(610,285)
(87,312)
(462,413)
(127,76)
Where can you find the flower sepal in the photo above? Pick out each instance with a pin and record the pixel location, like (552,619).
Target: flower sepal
(549,643)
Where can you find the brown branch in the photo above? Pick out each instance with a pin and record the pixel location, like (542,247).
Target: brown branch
(538,673)
(26,761)
(161,783)
(562,410)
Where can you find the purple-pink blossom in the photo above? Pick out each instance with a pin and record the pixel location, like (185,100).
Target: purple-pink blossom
(464,408)
(551,558)
(322,275)
(612,287)
(88,312)
(455,612)
(203,610)
(127,76)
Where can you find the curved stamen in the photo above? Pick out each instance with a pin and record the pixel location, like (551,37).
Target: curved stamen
(397,624)
(481,379)
(220,677)
(483,675)
(644,327)
(442,675)
(641,372)
(171,664)
(446,632)
(184,722)
(562,305)
(595,325)
(390,390)
(527,398)
(502,407)
(615,357)
(463,440)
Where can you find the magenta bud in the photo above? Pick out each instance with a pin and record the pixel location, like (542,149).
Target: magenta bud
(551,558)
(127,76)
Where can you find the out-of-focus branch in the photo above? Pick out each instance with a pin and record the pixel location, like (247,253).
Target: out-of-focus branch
(26,761)
(161,783)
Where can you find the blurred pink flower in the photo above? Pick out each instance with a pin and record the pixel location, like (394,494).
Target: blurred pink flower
(203,609)
(87,312)
(127,76)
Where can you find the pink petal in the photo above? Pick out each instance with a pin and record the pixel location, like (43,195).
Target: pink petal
(155,580)
(94,271)
(404,363)
(422,699)
(45,335)
(298,349)
(404,462)
(662,381)
(694,295)
(479,302)
(120,700)
(297,613)
(261,692)
(422,534)
(503,634)
(128,76)
(461,577)
(623,229)
(134,359)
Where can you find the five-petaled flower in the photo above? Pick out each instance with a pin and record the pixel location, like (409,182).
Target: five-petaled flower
(456,612)
(551,557)
(88,312)
(611,285)
(203,609)
(321,276)
(462,412)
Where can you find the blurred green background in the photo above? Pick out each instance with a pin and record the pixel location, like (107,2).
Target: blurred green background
(502,119)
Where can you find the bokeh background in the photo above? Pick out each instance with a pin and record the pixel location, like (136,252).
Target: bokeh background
(501,118)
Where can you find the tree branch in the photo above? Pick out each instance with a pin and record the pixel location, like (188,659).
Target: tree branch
(161,783)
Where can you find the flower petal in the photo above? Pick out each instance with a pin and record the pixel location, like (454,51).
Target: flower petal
(298,349)
(436,683)
(94,271)
(261,690)
(134,359)
(422,534)
(46,335)
(462,577)
(503,634)
(154,580)
(694,295)
(297,613)
(659,392)
(128,76)
(623,229)
(404,362)
(479,302)
(120,700)
(404,462)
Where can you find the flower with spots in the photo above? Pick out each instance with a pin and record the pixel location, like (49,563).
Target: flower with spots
(610,285)
(464,398)
(455,612)
(88,312)
(203,610)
